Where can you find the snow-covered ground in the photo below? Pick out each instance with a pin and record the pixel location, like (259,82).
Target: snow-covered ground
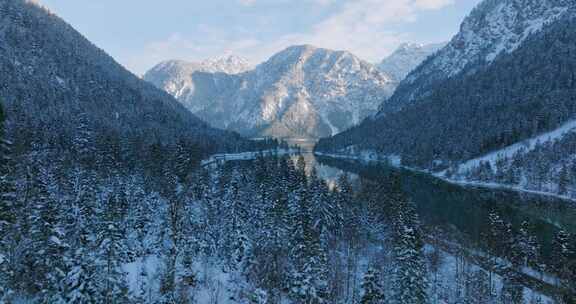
(498,186)
(527,145)
(395,161)
(244,156)
(451,269)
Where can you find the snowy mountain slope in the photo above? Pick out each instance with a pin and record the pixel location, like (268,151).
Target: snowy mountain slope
(406,58)
(521,95)
(521,147)
(494,27)
(53,73)
(523,101)
(175,76)
(302,91)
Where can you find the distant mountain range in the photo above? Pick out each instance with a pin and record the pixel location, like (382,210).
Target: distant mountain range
(302,91)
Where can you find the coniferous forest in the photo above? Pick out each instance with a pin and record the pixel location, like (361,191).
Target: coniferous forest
(455,185)
(269,230)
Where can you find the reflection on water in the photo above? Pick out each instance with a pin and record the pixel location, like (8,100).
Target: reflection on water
(466,209)
(450,206)
(328,173)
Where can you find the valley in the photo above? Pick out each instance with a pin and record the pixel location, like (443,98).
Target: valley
(288,152)
(456,220)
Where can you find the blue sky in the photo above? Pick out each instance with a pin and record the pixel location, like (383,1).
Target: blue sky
(141,33)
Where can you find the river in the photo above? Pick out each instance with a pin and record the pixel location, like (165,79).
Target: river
(460,209)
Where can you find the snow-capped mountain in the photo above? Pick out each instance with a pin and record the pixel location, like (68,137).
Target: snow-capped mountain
(230,64)
(494,27)
(492,120)
(175,76)
(302,91)
(406,58)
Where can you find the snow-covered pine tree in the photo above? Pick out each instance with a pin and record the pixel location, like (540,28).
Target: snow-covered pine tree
(182,161)
(7,209)
(47,236)
(410,281)
(528,245)
(112,251)
(562,252)
(373,292)
(143,293)
(563,180)
(309,261)
(83,140)
(326,211)
(81,283)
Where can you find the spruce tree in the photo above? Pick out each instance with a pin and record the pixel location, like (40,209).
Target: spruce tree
(309,273)
(563,181)
(47,237)
(373,292)
(112,252)
(410,281)
(8,210)
(562,252)
(82,281)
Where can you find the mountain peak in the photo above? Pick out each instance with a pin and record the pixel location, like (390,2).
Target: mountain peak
(494,27)
(302,91)
(410,46)
(406,58)
(229,64)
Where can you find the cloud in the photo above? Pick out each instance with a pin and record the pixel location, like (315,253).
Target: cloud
(324,2)
(363,27)
(247,2)
(433,4)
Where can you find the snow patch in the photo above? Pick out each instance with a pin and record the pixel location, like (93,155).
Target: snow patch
(526,145)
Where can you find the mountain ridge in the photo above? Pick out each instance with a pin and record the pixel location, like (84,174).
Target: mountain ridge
(406,58)
(519,95)
(302,91)
(53,72)
(492,28)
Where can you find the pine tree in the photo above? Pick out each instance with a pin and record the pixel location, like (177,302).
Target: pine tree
(309,273)
(527,245)
(563,181)
(561,255)
(112,251)
(410,282)
(81,281)
(373,292)
(182,161)
(47,236)
(143,294)
(83,140)
(512,289)
(8,211)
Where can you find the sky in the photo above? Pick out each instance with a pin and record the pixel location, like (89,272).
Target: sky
(141,33)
